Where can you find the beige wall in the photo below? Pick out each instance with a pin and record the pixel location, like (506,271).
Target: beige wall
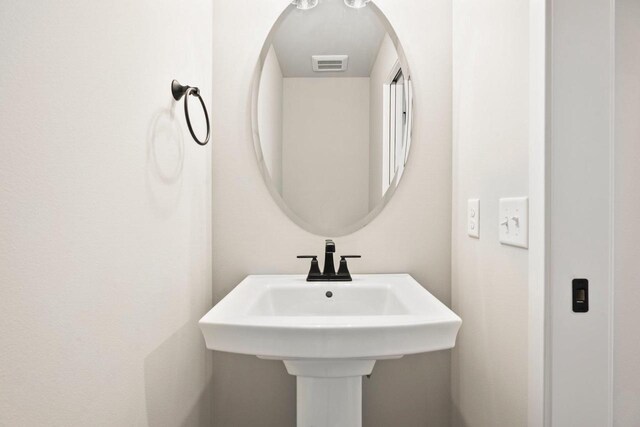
(270,116)
(252,235)
(105,219)
(626,411)
(387,57)
(325,159)
(490,160)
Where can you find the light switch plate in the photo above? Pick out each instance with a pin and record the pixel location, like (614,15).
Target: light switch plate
(473,218)
(513,221)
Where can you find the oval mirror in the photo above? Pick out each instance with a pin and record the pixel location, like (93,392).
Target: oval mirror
(332,105)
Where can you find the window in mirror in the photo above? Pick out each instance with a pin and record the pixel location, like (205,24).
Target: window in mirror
(394,132)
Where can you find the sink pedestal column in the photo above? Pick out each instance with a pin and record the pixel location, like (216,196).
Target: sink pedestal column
(329,391)
(329,402)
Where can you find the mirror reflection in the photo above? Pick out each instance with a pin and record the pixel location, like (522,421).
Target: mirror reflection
(332,115)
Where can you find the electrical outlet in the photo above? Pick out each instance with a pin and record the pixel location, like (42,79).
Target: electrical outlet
(473,218)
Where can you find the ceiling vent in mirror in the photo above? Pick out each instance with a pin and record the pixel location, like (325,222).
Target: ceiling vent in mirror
(329,62)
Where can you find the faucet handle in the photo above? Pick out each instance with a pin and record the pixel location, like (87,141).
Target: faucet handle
(314,270)
(343,271)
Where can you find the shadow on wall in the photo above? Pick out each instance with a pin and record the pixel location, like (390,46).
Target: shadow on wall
(177,373)
(395,393)
(457,419)
(170,372)
(165,160)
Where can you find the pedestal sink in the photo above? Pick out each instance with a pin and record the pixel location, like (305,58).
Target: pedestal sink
(329,334)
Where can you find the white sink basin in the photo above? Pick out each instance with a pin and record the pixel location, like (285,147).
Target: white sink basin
(329,334)
(374,316)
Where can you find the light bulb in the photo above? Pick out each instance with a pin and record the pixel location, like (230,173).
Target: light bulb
(356,4)
(305,4)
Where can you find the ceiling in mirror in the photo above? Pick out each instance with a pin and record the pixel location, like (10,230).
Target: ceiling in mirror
(331,28)
(332,110)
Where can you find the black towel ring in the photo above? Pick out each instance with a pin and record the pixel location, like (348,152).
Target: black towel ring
(178,92)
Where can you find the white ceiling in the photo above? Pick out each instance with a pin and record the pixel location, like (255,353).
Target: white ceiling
(331,28)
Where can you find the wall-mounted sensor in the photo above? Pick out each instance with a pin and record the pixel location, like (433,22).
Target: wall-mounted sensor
(580,289)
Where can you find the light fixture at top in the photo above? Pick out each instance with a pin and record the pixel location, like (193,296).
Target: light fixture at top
(305,4)
(356,4)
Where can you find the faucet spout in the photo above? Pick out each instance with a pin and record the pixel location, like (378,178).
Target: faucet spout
(329,269)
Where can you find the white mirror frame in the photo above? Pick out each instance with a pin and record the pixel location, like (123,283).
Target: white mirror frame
(313,228)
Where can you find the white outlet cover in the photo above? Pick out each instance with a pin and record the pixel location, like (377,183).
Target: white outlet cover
(473,218)
(513,221)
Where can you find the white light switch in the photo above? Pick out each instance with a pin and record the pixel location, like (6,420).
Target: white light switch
(473,218)
(513,221)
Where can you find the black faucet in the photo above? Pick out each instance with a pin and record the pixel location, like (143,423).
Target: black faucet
(329,271)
